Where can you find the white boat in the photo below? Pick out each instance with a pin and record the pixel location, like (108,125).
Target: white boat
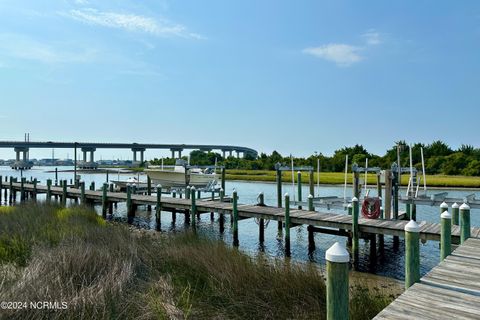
(121,185)
(181,175)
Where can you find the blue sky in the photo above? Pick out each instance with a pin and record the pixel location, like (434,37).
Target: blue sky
(291,76)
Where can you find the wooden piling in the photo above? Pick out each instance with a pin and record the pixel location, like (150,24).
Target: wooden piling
(22,189)
(34,192)
(443,207)
(464,222)
(82,192)
(130,208)
(174,211)
(455,214)
(299,188)
(104,200)
(279,194)
(1,187)
(193,210)
(64,193)
(337,258)
(413,211)
(261,222)
(311,235)
(287,225)
(412,254)
(110,203)
(356,187)
(49,190)
(355,231)
(149,191)
(221,219)
(235,218)
(445,235)
(158,209)
(211,212)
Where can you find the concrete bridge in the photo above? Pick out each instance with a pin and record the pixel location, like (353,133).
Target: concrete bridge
(90,147)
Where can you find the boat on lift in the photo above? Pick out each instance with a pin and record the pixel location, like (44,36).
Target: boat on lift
(182,175)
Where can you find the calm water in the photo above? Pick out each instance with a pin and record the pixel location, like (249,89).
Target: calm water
(390,262)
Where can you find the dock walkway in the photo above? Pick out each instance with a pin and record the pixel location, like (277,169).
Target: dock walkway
(451,290)
(428,230)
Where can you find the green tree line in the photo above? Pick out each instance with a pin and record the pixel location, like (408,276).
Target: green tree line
(439,159)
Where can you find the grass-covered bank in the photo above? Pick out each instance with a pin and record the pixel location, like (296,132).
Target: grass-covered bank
(103,271)
(339,178)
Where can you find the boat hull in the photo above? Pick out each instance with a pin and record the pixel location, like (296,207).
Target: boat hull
(169,179)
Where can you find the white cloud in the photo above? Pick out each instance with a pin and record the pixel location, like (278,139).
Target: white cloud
(372,37)
(22,47)
(343,55)
(131,22)
(81,2)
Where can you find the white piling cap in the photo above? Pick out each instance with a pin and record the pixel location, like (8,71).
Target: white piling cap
(260,193)
(464,207)
(444,205)
(188,187)
(412,226)
(310,196)
(354,199)
(337,253)
(221,189)
(286,195)
(298,172)
(455,206)
(192,188)
(349,205)
(381,208)
(446,215)
(159,185)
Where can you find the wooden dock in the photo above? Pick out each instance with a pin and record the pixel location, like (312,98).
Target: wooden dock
(322,221)
(451,290)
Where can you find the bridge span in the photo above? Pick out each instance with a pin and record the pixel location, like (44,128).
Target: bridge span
(23,147)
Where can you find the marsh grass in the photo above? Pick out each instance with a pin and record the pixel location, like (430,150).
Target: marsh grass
(339,178)
(107,271)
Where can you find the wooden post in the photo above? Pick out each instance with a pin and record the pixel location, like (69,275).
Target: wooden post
(279,194)
(299,188)
(221,219)
(149,191)
(356,182)
(10,197)
(408,207)
(464,222)
(158,208)
(349,212)
(287,225)
(412,254)
(104,200)
(337,282)
(174,211)
(446,235)
(455,214)
(110,203)
(311,182)
(22,189)
(223,178)
(261,222)
(413,211)
(56,176)
(355,233)
(64,193)
(311,236)
(49,190)
(82,192)
(193,210)
(130,209)
(387,205)
(235,219)
(1,187)
(211,212)
(443,207)
(396,184)
(34,193)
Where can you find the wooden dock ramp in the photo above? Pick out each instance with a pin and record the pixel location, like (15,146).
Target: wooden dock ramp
(451,290)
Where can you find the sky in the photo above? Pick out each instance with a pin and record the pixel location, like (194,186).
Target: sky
(291,76)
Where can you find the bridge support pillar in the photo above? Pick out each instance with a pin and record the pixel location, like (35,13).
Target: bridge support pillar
(21,163)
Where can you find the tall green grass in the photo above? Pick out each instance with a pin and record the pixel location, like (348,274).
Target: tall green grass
(106,271)
(339,178)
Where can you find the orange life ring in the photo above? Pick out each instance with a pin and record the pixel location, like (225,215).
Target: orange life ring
(371,208)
